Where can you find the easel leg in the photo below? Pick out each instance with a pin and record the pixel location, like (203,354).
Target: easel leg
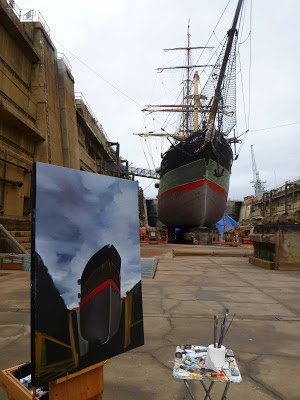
(207,390)
(86,384)
(224,397)
(189,389)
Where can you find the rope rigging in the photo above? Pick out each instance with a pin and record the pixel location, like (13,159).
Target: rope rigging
(246,103)
(226,111)
(226,114)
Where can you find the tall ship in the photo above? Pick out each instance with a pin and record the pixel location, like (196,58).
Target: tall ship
(195,170)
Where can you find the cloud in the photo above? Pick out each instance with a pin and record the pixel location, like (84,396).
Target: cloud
(77,213)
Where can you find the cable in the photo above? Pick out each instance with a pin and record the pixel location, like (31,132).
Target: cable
(95,72)
(247,123)
(113,86)
(250,64)
(144,152)
(249,34)
(243,94)
(213,30)
(217,38)
(275,127)
(148,185)
(150,152)
(242,20)
(259,130)
(268,128)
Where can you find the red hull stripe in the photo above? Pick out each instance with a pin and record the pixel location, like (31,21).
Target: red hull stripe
(194,185)
(99,288)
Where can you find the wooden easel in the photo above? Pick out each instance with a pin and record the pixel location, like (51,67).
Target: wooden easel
(86,384)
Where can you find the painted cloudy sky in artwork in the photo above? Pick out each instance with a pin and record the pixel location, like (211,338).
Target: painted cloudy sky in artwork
(77,213)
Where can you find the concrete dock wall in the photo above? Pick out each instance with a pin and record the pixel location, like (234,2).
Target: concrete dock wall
(41,118)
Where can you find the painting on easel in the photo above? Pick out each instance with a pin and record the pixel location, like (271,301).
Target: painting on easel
(86,275)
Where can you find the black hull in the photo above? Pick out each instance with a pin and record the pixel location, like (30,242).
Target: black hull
(100,316)
(100,303)
(185,152)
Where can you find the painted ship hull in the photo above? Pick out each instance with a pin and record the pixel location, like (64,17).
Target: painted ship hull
(100,305)
(194,184)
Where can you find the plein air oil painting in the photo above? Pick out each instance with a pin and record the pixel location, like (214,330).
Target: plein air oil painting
(86,274)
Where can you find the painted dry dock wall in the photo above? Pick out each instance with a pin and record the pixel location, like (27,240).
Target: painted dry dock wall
(18,112)
(68,123)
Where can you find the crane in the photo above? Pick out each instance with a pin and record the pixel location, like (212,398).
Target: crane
(258,185)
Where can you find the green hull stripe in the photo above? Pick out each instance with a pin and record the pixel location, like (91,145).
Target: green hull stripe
(193,172)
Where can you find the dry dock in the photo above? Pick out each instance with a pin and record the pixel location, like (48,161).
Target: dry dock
(179,304)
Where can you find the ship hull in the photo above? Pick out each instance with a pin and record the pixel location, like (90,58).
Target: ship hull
(202,204)
(100,315)
(100,304)
(194,184)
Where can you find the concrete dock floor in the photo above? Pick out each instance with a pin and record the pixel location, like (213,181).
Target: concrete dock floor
(179,304)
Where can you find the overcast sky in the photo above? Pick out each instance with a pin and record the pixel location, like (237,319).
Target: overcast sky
(123,41)
(77,213)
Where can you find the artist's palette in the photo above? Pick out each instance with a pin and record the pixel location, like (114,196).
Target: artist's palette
(190,364)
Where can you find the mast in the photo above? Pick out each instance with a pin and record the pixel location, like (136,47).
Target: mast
(196,101)
(185,108)
(188,54)
(230,34)
(211,94)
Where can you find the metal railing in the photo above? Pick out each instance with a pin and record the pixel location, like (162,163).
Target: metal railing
(63,57)
(146,173)
(13,6)
(123,169)
(28,15)
(282,185)
(80,96)
(34,16)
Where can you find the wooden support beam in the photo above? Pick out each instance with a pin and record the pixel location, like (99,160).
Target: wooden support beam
(184,67)
(262,263)
(189,48)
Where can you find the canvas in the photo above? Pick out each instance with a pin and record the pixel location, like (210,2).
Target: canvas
(86,275)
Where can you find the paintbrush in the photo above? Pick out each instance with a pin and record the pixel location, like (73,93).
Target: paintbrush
(229,326)
(215,330)
(222,331)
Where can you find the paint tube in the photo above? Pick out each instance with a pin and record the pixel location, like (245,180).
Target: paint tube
(40,393)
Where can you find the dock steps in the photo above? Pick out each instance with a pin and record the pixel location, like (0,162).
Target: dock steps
(148,267)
